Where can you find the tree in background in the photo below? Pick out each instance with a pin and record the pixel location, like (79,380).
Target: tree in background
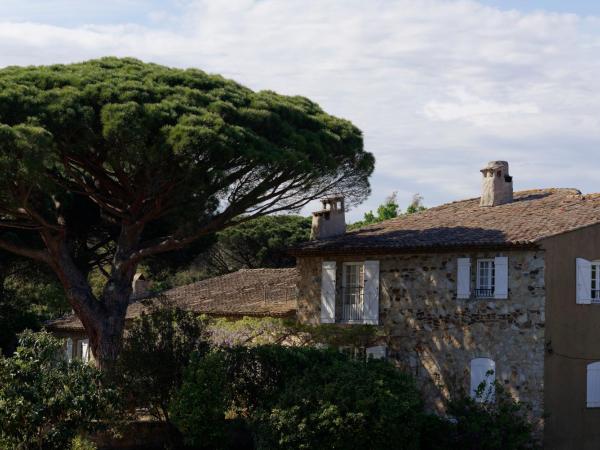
(389,210)
(262,242)
(29,295)
(112,161)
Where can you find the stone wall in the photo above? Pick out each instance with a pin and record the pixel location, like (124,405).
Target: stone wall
(433,335)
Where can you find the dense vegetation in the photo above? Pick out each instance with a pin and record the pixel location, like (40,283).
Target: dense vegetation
(46,401)
(258,396)
(107,163)
(295,398)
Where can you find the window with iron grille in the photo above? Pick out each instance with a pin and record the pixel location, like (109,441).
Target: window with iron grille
(595,282)
(353,283)
(486,278)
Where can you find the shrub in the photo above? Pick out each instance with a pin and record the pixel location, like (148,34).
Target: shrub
(474,424)
(155,354)
(199,408)
(298,398)
(46,401)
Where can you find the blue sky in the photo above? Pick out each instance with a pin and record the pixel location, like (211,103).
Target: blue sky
(438,87)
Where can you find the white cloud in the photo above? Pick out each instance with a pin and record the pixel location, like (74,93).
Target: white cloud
(438,87)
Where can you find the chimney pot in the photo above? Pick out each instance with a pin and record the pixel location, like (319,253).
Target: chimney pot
(330,221)
(140,287)
(497,186)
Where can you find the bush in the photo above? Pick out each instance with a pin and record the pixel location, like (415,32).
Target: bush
(501,424)
(155,354)
(46,401)
(297,398)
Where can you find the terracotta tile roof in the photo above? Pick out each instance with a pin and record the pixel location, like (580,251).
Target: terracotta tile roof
(532,216)
(249,292)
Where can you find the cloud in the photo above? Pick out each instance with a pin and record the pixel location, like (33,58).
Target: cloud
(438,87)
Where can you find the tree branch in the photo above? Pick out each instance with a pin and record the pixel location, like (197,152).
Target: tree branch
(38,255)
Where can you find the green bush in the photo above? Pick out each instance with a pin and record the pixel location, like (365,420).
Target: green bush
(46,401)
(500,424)
(299,398)
(155,354)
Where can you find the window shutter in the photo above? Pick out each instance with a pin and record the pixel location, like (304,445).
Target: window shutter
(69,350)
(501,271)
(371,293)
(377,352)
(328,292)
(463,278)
(593,385)
(85,350)
(584,281)
(483,369)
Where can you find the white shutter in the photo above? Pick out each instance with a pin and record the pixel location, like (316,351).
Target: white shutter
(371,293)
(69,350)
(584,281)
(463,278)
(483,369)
(85,350)
(501,272)
(593,385)
(377,352)
(328,292)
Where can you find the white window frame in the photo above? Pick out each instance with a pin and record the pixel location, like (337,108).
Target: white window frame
(353,312)
(492,276)
(595,285)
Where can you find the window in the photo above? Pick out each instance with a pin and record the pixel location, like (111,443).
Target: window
(483,376)
(486,278)
(593,385)
(353,283)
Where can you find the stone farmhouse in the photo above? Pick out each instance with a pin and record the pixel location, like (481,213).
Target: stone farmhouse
(504,287)
(245,293)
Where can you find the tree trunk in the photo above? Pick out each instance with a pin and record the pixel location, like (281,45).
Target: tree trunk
(103,318)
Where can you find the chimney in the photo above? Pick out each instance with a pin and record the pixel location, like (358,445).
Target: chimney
(329,221)
(140,287)
(497,187)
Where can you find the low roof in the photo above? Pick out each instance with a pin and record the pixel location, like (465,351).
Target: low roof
(248,292)
(531,217)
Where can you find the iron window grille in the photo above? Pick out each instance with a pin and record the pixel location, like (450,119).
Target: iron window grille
(353,283)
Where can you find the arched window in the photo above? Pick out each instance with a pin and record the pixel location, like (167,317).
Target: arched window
(483,376)
(593,385)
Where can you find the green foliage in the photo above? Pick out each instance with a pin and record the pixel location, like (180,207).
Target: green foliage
(200,406)
(389,210)
(296,398)
(416,205)
(262,242)
(29,295)
(257,243)
(46,401)
(480,424)
(112,162)
(81,443)
(155,354)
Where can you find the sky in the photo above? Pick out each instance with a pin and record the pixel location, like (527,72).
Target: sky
(438,87)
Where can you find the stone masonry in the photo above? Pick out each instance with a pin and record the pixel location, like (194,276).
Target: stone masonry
(434,336)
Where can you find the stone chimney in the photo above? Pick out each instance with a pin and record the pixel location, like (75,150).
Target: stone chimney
(329,221)
(497,186)
(140,287)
